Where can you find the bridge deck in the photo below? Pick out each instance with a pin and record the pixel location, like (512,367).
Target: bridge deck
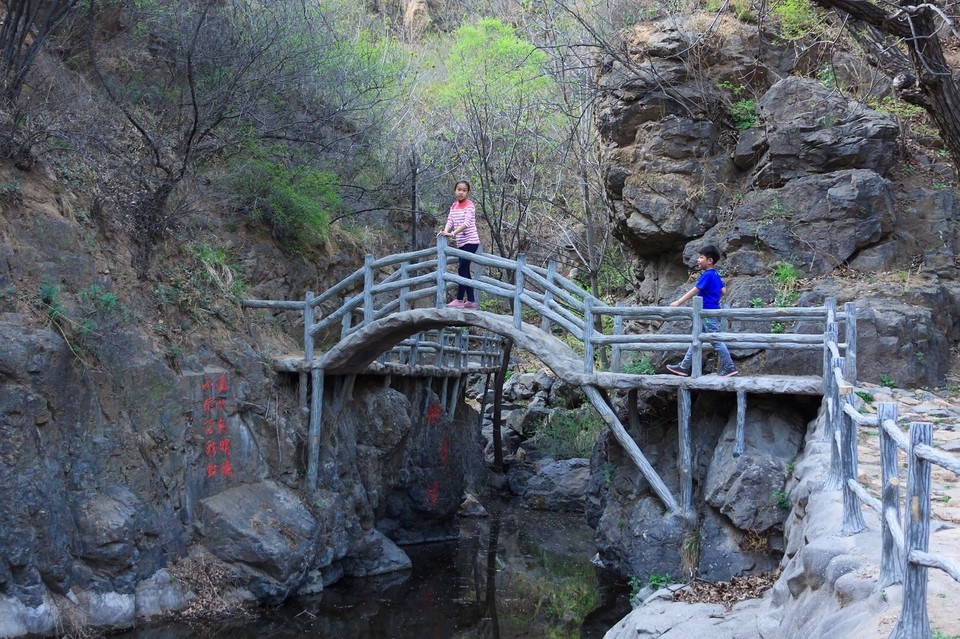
(791,384)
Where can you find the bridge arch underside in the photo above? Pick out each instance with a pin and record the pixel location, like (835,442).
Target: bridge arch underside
(355,353)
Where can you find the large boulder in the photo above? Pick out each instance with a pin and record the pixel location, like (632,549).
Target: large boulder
(264,530)
(748,489)
(814,129)
(379,556)
(816,222)
(905,343)
(726,550)
(558,485)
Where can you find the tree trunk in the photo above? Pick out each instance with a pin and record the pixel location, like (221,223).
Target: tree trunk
(918,29)
(937,83)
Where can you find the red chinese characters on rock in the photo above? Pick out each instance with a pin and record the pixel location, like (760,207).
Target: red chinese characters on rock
(215,391)
(433,413)
(431,493)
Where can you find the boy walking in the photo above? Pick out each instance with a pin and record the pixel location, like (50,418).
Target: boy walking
(710,287)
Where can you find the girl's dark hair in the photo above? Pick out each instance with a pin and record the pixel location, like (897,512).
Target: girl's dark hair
(463,182)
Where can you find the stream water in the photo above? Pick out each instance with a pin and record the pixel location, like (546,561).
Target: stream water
(516,574)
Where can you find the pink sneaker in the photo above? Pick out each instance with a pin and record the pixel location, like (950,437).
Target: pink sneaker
(456,304)
(472,305)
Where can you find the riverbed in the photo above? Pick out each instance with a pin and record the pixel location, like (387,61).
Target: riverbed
(518,573)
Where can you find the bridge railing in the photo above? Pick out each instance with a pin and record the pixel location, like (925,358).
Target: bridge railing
(423,278)
(905,540)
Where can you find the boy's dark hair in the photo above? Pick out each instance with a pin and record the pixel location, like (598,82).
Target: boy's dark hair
(710,252)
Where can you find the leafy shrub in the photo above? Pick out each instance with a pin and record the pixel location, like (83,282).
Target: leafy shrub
(95,314)
(219,271)
(569,434)
(798,19)
(782,499)
(296,203)
(778,211)
(642,366)
(827,77)
(744,113)
(896,107)
(659,580)
(786,281)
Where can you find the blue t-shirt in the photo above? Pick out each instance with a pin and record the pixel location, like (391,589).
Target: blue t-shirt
(709,285)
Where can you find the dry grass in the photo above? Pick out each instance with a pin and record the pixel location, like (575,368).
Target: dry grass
(209,580)
(730,592)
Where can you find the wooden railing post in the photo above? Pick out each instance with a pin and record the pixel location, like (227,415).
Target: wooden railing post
(405,291)
(850,338)
(441,355)
(367,289)
(518,290)
(852,509)
(830,322)
(313,432)
(891,558)
(616,350)
(316,395)
(834,423)
(441,271)
(587,334)
(415,350)
(913,622)
(316,419)
(545,323)
(461,349)
(696,364)
(738,442)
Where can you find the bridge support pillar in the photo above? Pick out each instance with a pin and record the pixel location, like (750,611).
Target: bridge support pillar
(685,455)
(630,447)
(316,418)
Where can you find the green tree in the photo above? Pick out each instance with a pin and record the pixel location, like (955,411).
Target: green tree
(494,98)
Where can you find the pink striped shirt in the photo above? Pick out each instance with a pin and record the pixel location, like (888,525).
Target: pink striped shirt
(463,213)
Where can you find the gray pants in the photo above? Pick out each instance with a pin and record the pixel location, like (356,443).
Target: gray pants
(711,325)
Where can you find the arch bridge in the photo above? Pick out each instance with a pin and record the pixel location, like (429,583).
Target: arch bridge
(390,317)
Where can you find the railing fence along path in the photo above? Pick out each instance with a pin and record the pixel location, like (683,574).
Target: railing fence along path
(905,537)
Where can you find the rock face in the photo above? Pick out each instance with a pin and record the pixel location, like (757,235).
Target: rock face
(810,128)
(264,530)
(809,182)
(745,489)
(107,479)
(817,221)
(741,504)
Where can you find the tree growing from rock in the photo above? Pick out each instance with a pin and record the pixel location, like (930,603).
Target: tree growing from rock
(918,28)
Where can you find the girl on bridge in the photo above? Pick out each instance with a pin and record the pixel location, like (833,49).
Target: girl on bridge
(462,226)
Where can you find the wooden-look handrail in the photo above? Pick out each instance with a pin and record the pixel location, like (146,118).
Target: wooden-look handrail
(556,299)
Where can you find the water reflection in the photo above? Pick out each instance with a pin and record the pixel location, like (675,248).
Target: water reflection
(516,574)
